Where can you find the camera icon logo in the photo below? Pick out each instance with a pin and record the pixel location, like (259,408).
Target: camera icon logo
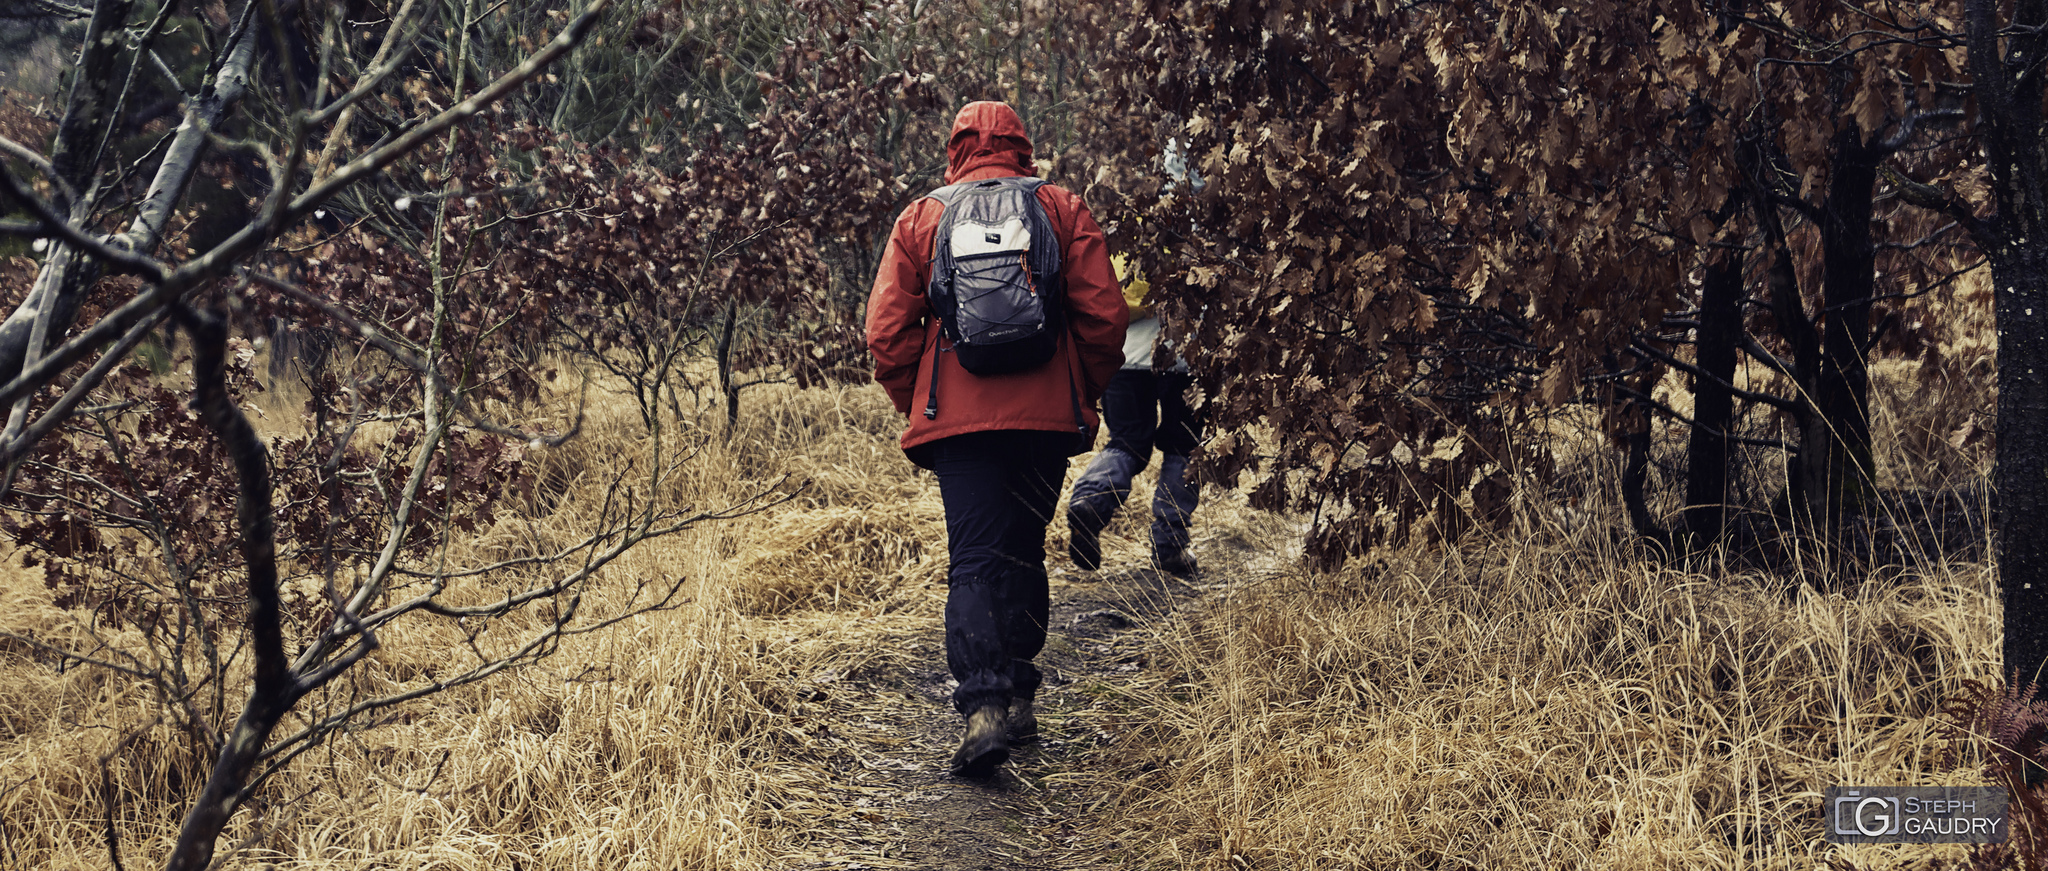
(1870,816)
(1914,814)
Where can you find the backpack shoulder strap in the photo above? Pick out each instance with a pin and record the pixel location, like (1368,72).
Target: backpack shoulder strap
(1045,259)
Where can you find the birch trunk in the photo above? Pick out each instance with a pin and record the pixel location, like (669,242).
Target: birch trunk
(68,273)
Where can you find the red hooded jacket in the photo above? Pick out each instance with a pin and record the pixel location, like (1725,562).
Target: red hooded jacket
(988,141)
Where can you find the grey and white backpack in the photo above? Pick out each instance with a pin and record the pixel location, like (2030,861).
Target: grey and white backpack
(996,277)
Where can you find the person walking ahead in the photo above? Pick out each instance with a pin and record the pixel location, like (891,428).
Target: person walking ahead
(999,443)
(1145,407)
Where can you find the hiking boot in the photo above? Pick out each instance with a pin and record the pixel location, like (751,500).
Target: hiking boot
(985,746)
(1023,722)
(1084,539)
(1176,561)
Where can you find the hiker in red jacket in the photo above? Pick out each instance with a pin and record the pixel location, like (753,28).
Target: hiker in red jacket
(998,443)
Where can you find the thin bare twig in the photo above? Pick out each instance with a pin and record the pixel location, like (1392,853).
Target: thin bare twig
(61,411)
(377,160)
(378,339)
(55,224)
(42,164)
(1669,360)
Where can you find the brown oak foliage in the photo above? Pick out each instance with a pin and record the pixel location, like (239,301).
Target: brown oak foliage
(1419,225)
(1402,240)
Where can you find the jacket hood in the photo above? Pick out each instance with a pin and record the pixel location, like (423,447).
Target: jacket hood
(987,134)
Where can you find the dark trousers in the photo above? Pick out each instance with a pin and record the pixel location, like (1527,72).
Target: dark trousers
(1143,410)
(1000,489)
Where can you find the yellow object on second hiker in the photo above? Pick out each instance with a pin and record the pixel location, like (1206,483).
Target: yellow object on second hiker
(1135,288)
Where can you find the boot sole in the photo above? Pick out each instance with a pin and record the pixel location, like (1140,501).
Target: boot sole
(1183,567)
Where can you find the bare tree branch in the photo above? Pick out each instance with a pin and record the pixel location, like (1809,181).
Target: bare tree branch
(60,412)
(391,56)
(53,223)
(377,339)
(66,194)
(67,655)
(54,363)
(377,160)
(1667,359)
(1933,198)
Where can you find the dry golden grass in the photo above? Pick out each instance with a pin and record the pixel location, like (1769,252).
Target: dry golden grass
(1505,705)
(661,743)
(1546,698)
(1552,697)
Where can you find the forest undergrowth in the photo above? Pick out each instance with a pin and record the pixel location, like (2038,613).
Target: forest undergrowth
(1551,695)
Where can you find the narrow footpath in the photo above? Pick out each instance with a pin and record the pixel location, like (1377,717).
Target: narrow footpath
(901,809)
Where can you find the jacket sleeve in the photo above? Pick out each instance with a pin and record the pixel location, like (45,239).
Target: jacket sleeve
(1096,303)
(897,311)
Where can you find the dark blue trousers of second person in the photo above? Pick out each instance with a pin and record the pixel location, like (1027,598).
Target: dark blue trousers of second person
(1000,489)
(1142,409)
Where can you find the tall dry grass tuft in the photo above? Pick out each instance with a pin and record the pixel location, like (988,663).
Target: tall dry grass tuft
(1504,705)
(1549,697)
(843,557)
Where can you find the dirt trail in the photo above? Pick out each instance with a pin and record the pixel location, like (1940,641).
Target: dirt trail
(908,812)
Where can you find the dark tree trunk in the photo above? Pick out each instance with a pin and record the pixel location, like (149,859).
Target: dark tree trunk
(1708,451)
(2022,473)
(1635,474)
(276,689)
(87,124)
(1841,481)
(2006,77)
(1799,332)
(1831,473)
(723,351)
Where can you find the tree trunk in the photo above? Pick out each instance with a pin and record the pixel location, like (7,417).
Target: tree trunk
(1635,471)
(1635,474)
(2021,479)
(1842,481)
(723,350)
(1708,451)
(1799,332)
(275,689)
(88,113)
(2007,82)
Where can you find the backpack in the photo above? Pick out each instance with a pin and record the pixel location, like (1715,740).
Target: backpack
(996,275)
